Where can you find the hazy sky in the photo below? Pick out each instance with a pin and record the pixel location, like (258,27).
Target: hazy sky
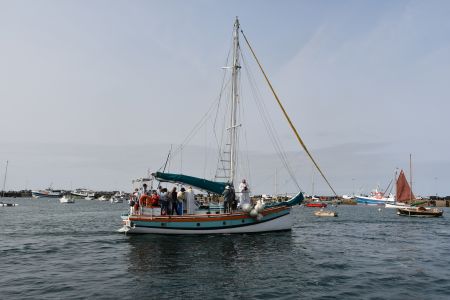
(92,93)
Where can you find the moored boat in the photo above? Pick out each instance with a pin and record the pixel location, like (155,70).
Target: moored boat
(3,204)
(325,213)
(118,197)
(66,199)
(103,198)
(404,195)
(83,194)
(47,193)
(376,198)
(420,211)
(315,204)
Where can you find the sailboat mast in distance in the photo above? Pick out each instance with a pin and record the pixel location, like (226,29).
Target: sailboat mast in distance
(4,180)
(410,178)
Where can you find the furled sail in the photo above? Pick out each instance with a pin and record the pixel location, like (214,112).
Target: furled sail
(201,183)
(404,192)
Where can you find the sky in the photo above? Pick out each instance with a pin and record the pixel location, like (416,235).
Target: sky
(94,93)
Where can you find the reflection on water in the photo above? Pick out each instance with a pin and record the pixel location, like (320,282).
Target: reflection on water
(151,253)
(223,264)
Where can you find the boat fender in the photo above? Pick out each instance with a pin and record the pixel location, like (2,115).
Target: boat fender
(247,207)
(253,213)
(260,207)
(259,217)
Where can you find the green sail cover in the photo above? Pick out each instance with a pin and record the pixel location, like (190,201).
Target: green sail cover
(203,184)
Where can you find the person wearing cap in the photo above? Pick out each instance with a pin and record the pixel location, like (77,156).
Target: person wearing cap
(227,198)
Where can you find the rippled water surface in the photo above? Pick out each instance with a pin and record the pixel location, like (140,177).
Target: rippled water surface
(55,251)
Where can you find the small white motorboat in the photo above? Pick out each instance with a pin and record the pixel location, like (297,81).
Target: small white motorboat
(325,213)
(103,198)
(2,204)
(66,199)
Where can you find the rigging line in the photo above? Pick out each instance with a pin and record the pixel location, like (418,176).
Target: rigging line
(222,143)
(286,115)
(267,121)
(204,118)
(244,134)
(268,124)
(218,141)
(194,130)
(271,128)
(389,185)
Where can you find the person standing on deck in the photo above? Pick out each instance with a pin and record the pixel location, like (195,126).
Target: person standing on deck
(181,199)
(160,190)
(173,201)
(233,202)
(244,190)
(190,201)
(144,188)
(227,198)
(136,196)
(164,201)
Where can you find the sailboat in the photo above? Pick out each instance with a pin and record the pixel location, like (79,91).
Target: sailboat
(404,194)
(4,179)
(256,217)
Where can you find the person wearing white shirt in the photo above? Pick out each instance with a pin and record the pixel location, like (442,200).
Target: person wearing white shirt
(244,193)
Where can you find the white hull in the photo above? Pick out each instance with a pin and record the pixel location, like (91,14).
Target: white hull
(65,200)
(45,194)
(374,200)
(325,213)
(8,204)
(282,223)
(396,205)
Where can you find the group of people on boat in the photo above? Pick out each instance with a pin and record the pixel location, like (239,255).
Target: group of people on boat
(171,203)
(181,202)
(230,202)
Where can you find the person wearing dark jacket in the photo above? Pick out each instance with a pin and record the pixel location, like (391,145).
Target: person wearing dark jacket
(173,201)
(227,199)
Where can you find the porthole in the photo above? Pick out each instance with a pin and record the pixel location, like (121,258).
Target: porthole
(198,224)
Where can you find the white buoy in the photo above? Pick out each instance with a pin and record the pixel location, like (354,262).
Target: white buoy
(253,213)
(247,207)
(260,207)
(259,217)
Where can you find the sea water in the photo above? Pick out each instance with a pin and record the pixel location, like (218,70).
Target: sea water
(50,250)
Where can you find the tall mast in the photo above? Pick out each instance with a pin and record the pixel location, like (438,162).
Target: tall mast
(410,178)
(234,102)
